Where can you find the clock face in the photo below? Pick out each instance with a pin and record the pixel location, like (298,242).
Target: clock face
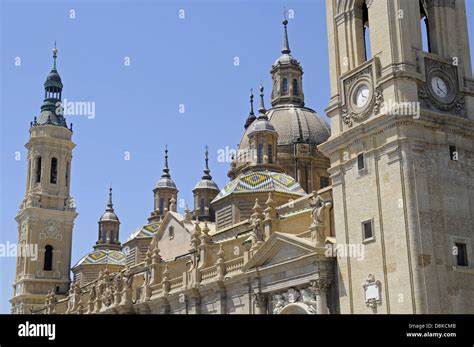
(439,86)
(361,96)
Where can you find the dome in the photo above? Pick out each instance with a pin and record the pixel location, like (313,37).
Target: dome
(206,184)
(53,80)
(109,216)
(293,124)
(262,181)
(262,124)
(165,182)
(286,59)
(53,76)
(103,256)
(148,230)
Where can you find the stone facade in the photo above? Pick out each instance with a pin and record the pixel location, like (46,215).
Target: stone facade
(391,166)
(374,216)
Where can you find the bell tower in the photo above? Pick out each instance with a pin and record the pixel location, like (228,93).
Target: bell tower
(165,194)
(47,213)
(402,154)
(287,77)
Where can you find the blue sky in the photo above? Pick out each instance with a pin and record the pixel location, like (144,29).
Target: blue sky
(173,62)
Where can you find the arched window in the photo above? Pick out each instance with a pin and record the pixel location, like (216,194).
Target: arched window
(67,174)
(171,232)
(295,86)
(48,258)
(162,205)
(366,32)
(284,86)
(260,153)
(112,237)
(54,171)
(38,170)
(270,154)
(202,206)
(425,32)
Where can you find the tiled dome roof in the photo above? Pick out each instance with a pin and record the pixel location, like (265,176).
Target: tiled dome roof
(262,181)
(103,256)
(148,230)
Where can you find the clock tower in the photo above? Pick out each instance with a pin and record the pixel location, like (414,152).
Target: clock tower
(402,154)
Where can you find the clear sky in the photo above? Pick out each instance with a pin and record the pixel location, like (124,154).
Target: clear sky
(174,63)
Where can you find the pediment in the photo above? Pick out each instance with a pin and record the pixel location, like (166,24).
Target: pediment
(278,248)
(174,220)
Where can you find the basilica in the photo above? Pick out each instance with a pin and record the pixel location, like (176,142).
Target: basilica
(372,214)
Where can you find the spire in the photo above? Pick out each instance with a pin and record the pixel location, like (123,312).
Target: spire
(109,228)
(287,75)
(166,170)
(286,45)
(109,211)
(110,205)
(55,55)
(251,116)
(262,109)
(207,172)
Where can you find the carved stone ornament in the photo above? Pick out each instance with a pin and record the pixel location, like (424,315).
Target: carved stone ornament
(304,298)
(24,231)
(372,292)
(50,231)
(351,111)
(452,101)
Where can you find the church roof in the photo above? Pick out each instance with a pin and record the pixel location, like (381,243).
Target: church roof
(103,256)
(148,230)
(262,181)
(294,124)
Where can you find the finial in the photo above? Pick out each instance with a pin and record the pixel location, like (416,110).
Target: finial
(110,205)
(251,102)
(173,204)
(251,116)
(262,109)
(257,206)
(286,45)
(207,172)
(166,170)
(187,214)
(55,55)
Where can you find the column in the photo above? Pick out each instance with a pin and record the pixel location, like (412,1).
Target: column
(320,288)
